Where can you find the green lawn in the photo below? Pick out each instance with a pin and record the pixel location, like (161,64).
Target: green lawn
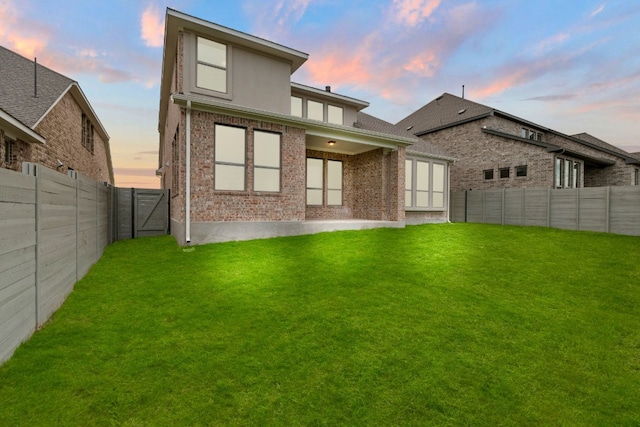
(454,324)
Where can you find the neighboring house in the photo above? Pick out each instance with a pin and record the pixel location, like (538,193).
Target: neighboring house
(247,153)
(45,118)
(498,150)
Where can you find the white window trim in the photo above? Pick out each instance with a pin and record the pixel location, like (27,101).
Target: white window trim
(325,184)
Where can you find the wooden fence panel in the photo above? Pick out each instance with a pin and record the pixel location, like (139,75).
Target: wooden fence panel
(514,206)
(457,208)
(594,206)
(536,207)
(57,234)
(601,209)
(492,207)
(624,216)
(17,260)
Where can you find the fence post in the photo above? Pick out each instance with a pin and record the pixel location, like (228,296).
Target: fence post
(608,211)
(31,169)
(577,208)
(503,206)
(548,207)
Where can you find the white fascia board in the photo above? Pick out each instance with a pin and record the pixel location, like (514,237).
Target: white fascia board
(430,156)
(312,127)
(18,130)
(330,95)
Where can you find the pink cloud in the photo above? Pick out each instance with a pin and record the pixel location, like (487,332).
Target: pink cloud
(502,83)
(413,12)
(152,26)
(597,11)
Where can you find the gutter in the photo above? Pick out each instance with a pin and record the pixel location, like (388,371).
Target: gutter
(313,127)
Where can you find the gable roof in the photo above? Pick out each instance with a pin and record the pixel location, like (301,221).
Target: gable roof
(369,122)
(442,112)
(449,110)
(17,87)
(28,91)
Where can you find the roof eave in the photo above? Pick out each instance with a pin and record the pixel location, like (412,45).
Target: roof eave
(358,103)
(459,122)
(16,129)
(313,127)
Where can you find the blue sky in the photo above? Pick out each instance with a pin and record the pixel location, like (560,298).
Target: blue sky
(570,65)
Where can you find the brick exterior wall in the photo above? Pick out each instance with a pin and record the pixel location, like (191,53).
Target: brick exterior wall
(62,129)
(369,186)
(477,151)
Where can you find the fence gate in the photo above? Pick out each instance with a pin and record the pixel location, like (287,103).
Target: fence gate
(142,213)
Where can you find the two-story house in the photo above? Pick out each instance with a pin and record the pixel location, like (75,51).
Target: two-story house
(499,150)
(247,153)
(45,118)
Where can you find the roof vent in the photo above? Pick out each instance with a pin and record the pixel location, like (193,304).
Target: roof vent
(410,127)
(327,88)
(462,111)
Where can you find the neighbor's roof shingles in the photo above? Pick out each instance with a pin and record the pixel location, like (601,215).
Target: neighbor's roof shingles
(17,88)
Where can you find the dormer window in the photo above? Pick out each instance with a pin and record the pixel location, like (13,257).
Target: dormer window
(211,71)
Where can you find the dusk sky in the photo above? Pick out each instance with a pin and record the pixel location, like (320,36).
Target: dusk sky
(569,65)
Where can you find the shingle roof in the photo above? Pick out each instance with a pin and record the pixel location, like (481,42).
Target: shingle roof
(17,87)
(369,122)
(600,143)
(443,111)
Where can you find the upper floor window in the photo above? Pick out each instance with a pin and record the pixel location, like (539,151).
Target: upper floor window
(335,115)
(315,110)
(211,69)
(87,133)
(296,106)
(424,184)
(531,134)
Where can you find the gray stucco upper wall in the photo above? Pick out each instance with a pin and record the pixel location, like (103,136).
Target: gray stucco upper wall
(254,79)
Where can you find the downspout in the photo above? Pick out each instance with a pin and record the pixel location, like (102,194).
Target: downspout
(449,190)
(187,225)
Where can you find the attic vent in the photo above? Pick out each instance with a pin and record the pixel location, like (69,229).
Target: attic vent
(462,111)
(410,127)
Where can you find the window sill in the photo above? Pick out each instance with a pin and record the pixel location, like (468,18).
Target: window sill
(247,193)
(411,209)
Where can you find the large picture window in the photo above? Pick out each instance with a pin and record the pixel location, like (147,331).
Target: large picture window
(320,191)
(425,184)
(334,183)
(266,161)
(229,157)
(315,179)
(567,173)
(211,67)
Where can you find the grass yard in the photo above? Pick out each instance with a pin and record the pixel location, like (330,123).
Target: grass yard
(454,324)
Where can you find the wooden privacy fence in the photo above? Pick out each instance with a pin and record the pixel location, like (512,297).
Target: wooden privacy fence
(605,209)
(53,228)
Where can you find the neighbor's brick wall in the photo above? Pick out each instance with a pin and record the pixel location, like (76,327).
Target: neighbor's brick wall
(210,205)
(22,151)
(618,174)
(62,129)
(477,151)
